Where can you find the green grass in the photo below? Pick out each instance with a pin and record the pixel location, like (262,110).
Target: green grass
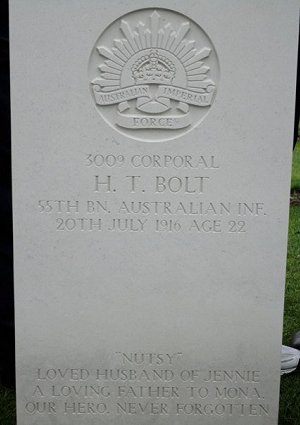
(290,384)
(296,168)
(7,407)
(291,322)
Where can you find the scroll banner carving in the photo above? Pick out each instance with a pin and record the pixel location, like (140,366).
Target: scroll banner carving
(138,122)
(120,95)
(170,92)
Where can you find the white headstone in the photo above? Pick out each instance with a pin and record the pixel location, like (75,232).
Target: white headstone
(151,172)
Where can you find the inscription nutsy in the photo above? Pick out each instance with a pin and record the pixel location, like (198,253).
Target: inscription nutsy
(147,383)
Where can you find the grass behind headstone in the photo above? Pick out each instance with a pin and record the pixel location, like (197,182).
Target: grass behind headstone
(290,384)
(295,186)
(7,407)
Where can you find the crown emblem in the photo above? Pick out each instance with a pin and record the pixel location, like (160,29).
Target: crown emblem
(154,54)
(153,69)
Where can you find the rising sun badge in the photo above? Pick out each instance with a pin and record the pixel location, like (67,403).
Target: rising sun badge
(153,70)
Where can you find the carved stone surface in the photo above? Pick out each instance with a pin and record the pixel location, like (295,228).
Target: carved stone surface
(151,158)
(158,68)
